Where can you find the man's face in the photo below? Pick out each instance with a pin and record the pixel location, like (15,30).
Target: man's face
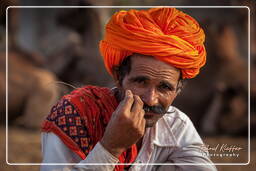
(155,82)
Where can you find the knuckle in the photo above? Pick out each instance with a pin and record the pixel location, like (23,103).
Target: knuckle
(124,110)
(122,118)
(134,125)
(125,119)
(125,116)
(129,98)
(142,112)
(138,130)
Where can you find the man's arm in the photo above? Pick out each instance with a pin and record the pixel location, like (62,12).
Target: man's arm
(126,127)
(55,151)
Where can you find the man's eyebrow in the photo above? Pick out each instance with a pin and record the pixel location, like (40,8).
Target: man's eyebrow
(139,78)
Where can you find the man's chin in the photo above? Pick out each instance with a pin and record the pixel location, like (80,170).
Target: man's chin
(150,123)
(151,120)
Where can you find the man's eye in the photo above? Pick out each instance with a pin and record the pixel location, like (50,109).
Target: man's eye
(141,81)
(165,87)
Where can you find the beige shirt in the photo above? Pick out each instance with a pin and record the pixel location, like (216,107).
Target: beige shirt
(172,144)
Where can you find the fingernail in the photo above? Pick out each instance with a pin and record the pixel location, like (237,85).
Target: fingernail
(128,92)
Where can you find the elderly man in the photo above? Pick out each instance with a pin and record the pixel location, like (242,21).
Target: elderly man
(133,126)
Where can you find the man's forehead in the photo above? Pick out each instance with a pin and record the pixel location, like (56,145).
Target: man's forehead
(150,67)
(140,62)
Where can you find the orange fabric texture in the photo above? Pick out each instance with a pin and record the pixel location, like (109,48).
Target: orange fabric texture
(167,34)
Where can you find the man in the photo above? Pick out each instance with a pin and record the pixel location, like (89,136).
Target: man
(149,53)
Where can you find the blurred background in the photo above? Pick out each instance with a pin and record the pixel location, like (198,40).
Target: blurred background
(51,51)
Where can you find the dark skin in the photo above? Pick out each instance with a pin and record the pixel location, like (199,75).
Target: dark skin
(150,82)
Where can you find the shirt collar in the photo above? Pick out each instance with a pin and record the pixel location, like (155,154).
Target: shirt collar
(162,132)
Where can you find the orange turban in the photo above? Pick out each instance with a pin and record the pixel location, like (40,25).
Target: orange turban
(167,34)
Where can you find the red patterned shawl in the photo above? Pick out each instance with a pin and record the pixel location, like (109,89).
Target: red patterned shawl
(79,119)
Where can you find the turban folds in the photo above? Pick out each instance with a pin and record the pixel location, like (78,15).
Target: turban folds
(167,34)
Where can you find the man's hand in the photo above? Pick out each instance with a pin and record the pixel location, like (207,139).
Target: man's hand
(126,126)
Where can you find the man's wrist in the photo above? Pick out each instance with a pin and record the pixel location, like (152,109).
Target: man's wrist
(116,152)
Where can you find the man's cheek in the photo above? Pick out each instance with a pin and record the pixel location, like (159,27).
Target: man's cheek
(170,101)
(135,91)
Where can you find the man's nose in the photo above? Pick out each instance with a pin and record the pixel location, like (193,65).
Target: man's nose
(150,97)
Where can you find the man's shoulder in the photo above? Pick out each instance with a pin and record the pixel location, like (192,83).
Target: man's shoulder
(85,104)
(87,91)
(89,94)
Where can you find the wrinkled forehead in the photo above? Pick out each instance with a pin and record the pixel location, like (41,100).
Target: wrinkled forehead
(152,67)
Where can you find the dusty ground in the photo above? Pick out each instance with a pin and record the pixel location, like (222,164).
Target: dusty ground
(24,146)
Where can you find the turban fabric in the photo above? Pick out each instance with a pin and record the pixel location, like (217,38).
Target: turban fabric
(167,34)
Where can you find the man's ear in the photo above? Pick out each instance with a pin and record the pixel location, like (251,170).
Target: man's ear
(178,91)
(116,78)
(179,87)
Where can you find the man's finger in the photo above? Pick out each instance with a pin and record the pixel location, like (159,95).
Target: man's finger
(141,115)
(143,123)
(137,105)
(127,101)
